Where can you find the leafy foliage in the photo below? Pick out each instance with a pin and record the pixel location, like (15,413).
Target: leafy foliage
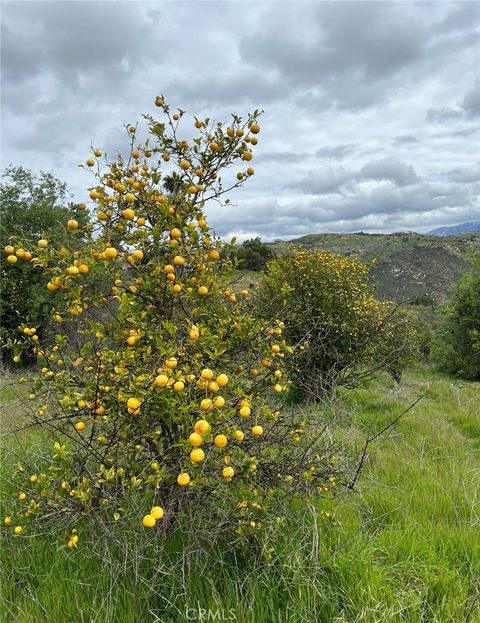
(253,254)
(456,344)
(32,208)
(162,392)
(340,331)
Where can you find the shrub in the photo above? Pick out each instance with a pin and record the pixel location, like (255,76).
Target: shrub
(32,208)
(164,402)
(456,344)
(340,331)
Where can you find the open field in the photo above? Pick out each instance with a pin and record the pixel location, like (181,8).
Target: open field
(406,548)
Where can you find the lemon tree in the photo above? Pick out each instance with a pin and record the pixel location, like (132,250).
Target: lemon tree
(161,391)
(342,333)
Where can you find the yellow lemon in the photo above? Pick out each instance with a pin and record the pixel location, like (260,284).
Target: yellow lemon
(157,512)
(183,479)
(110,253)
(245,411)
(128,214)
(161,380)
(195,439)
(220,441)
(202,427)
(222,380)
(197,455)
(239,435)
(228,472)
(133,405)
(219,402)
(149,521)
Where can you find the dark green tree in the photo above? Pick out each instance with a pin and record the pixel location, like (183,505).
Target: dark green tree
(456,344)
(253,254)
(32,207)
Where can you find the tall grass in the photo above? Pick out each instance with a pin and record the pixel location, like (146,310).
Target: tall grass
(406,548)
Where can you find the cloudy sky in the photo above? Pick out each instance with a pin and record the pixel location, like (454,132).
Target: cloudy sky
(372,109)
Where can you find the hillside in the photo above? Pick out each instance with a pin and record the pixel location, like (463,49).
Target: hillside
(454,230)
(409,265)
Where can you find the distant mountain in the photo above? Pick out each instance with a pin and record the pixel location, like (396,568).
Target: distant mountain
(409,266)
(463,228)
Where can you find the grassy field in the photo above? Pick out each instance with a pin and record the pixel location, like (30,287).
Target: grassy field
(406,547)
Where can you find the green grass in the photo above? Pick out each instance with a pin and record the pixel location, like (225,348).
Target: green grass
(406,548)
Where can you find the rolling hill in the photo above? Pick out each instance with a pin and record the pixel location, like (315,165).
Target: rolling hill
(410,266)
(454,230)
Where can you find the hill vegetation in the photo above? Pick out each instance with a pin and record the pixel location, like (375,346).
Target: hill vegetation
(409,266)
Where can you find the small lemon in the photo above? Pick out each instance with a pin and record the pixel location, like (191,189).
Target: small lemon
(157,512)
(183,479)
(149,521)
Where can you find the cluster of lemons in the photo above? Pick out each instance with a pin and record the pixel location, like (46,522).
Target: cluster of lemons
(13,255)
(139,400)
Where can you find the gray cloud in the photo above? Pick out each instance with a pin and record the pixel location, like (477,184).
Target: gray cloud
(391,169)
(440,115)
(332,180)
(405,139)
(346,45)
(468,108)
(471,102)
(460,17)
(337,152)
(464,175)
(367,104)
(325,181)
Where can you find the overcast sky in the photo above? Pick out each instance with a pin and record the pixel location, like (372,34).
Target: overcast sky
(372,109)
